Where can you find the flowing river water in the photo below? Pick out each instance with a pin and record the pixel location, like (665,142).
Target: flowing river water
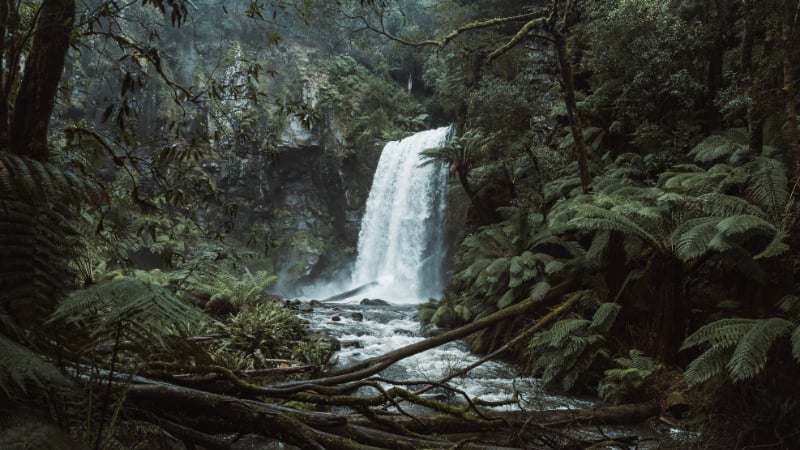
(401,253)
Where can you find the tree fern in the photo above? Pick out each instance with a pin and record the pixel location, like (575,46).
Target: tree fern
(145,313)
(25,178)
(716,148)
(627,381)
(570,346)
(35,249)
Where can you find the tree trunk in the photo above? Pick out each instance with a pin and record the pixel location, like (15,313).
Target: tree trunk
(573,114)
(755,119)
(787,30)
(715,67)
(483,216)
(43,67)
(668,326)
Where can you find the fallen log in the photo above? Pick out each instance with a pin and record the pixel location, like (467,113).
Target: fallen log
(630,413)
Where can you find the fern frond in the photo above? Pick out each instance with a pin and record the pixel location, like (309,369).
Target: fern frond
(20,369)
(597,249)
(24,178)
(744,224)
(721,205)
(35,255)
(768,186)
(146,312)
(708,364)
(795,340)
(692,237)
(776,247)
(714,148)
(724,332)
(563,328)
(607,221)
(750,355)
(605,316)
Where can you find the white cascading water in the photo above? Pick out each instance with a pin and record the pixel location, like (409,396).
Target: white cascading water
(401,242)
(401,246)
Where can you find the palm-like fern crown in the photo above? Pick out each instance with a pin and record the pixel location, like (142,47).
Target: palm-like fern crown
(691,211)
(37,240)
(463,150)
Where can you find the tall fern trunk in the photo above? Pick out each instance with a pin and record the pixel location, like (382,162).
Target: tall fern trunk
(483,216)
(670,315)
(43,67)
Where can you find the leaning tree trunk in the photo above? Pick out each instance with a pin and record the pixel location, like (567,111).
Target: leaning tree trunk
(43,67)
(573,114)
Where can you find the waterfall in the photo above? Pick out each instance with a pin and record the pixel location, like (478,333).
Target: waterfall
(401,244)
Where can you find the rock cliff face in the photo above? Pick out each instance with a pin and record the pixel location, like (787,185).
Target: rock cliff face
(304,207)
(303,200)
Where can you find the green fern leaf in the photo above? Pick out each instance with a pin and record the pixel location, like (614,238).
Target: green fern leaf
(790,304)
(750,355)
(146,312)
(721,205)
(605,316)
(795,339)
(714,148)
(506,299)
(20,368)
(598,247)
(693,237)
(776,247)
(768,185)
(724,332)
(708,364)
(567,327)
(744,224)
(539,290)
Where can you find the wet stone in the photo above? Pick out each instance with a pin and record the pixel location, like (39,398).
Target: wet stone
(374,302)
(357,316)
(336,319)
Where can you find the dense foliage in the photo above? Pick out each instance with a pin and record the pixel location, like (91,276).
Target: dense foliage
(642,153)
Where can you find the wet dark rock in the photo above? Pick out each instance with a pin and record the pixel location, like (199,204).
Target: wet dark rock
(336,319)
(305,308)
(357,316)
(315,303)
(293,304)
(351,344)
(403,332)
(272,298)
(374,302)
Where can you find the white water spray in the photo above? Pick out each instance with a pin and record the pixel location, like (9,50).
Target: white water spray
(401,242)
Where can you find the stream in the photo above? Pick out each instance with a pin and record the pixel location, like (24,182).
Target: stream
(400,264)
(367,330)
